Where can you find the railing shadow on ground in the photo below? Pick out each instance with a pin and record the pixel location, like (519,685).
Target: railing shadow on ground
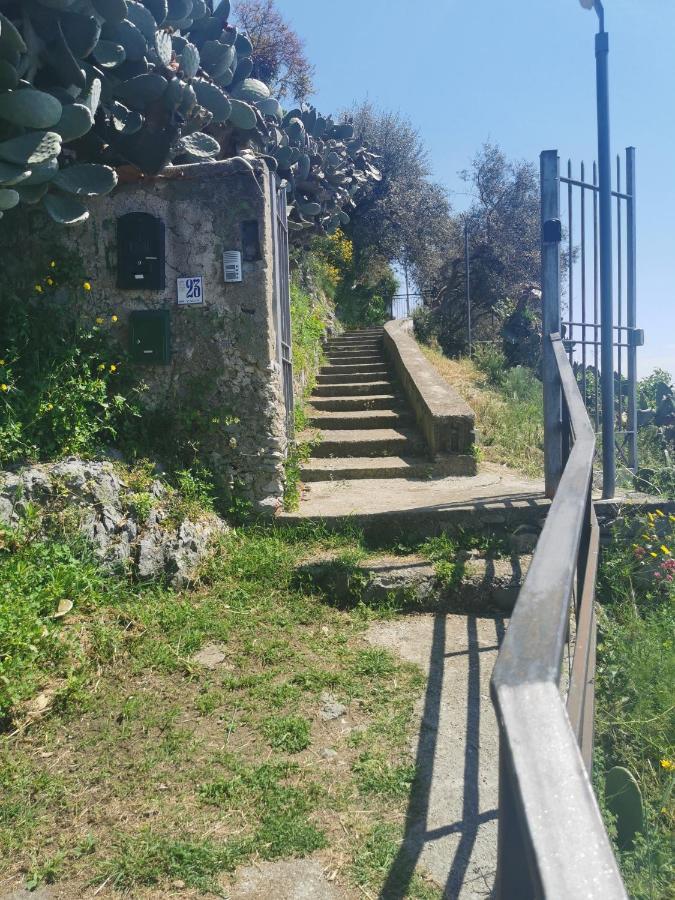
(417,833)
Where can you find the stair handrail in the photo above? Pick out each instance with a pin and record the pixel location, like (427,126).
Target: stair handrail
(552,841)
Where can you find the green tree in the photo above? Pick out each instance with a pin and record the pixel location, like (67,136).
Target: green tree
(278,54)
(405,218)
(504,256)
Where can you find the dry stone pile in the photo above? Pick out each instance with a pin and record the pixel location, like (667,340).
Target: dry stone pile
(95,493)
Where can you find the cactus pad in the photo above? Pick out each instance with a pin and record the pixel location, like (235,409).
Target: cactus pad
(623,798)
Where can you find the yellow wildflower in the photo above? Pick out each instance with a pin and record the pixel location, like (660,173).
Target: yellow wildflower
(4,388)
(113,318)
(113,368)
(99,320)
(38,288)
(667,764)
(50,406)
(653,554)
(50,281)
(53,264)
(2,362)
(665,550)
(87,286)
(660,512)
(101,368)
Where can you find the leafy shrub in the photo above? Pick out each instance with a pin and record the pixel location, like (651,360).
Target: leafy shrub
(491,361)
(63,389)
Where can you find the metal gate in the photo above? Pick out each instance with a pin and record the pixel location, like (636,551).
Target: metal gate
(282,295)
(572,282)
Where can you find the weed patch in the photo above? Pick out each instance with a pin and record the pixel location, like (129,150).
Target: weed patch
(635,727)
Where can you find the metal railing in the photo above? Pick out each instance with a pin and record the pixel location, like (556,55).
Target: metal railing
(552,841)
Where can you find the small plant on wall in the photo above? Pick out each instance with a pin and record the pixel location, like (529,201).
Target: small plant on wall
(64,389)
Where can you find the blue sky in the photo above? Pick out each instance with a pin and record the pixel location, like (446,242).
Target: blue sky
(520,73)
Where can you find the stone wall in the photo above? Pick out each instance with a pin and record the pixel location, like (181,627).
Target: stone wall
(223,365)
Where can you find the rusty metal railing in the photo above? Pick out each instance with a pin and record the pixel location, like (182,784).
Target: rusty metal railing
(552,841)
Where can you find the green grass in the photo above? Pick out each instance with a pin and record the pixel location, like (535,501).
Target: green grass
(635,724)
(187,772)
(508,408)
(288,733)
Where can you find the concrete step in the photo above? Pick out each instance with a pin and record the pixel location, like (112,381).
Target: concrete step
(354,358)
(354,345)
(342,403)
(343,368)
(333,377)
(359,332)
(357,468)
(352,389)
(359,418)
(367,442)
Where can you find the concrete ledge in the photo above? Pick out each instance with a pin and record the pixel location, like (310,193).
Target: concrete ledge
(446,421)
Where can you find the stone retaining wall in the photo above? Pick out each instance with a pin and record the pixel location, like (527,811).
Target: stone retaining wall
(223,366)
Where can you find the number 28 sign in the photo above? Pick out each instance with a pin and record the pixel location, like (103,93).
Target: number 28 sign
(191,291)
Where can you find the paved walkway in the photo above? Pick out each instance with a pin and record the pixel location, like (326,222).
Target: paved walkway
(424,506)
(451,827)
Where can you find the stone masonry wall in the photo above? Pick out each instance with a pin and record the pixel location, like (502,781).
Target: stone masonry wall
(223,353)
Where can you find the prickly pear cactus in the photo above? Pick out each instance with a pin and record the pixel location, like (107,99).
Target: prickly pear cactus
(623,798)
(89,85)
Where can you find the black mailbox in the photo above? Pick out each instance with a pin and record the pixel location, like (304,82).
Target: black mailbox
(140,252)
(150,336)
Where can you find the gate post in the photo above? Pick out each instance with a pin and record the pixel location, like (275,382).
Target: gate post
(551,235)
(631,303)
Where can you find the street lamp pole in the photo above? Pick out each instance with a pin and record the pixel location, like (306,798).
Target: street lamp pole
(467,269)
(605,204)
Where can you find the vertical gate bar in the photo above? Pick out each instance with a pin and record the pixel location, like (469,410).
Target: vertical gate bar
(583,285)
(550,287)
(596,270)
(631,304)
(619,290)
(606,273)
(513,878)
(570,259)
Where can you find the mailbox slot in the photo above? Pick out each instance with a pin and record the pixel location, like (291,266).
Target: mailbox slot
(150,336)
(140,252)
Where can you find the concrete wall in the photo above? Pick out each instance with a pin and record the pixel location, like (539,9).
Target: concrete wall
(447,422)
(223,353)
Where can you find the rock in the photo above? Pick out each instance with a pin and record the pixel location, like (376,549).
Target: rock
(269,506)
(210,656)
(328,753)
(147,549)
(150,560)
(6,510)
(485,584)
(331,709)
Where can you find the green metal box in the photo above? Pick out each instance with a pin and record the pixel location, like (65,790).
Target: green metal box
(150,336)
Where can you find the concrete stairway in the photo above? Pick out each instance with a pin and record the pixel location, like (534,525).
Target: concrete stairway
(365,426)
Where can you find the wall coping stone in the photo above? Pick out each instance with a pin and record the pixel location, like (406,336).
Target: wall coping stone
(237,165)
(446,420)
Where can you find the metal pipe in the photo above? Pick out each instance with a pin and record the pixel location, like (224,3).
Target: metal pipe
(467,268)
(631,303)
(606,301)
(550,287)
